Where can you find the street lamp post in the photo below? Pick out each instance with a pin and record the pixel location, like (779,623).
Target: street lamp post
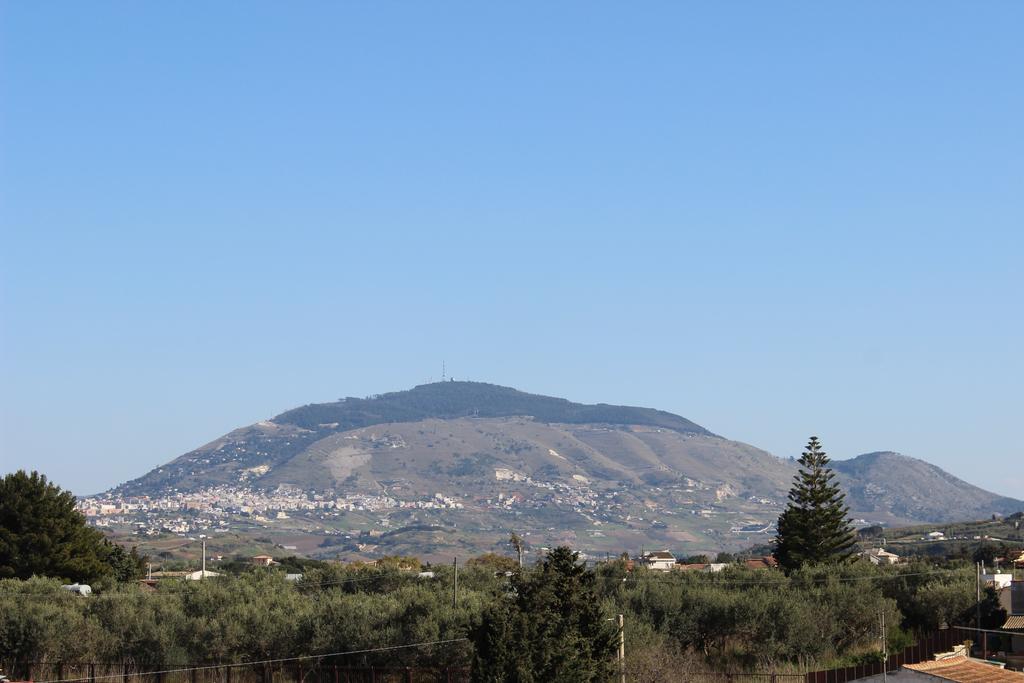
(622,651)
(622,648)
(202,574)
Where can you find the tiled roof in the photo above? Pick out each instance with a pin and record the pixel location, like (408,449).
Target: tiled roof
(661,555)
(761,563)
(1014,622)
(964,670)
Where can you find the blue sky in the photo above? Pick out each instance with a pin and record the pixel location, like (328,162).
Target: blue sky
(774,219)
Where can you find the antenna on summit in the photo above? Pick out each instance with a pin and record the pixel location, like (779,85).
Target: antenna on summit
(442,371)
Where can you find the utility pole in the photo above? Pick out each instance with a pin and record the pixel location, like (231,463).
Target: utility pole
(984,634)
(202,573)
(622,652)
(455,584)
(977,617)
(885,650)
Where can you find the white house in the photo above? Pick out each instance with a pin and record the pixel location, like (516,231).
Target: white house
(997,581)
(201,574)
(880,556)
(662,561)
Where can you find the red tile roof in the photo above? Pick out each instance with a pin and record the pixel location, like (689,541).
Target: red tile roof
(766,562)
(965,670)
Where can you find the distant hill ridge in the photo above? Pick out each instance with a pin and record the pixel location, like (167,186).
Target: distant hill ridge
(450,400)
(456,437)
(909,488)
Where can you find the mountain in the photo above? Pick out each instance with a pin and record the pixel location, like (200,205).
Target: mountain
(455,465)
(891,486)
(311,433)
(449,400)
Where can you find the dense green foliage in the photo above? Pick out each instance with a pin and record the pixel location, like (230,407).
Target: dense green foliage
(125,565)
(815,527)
(555,611)
(472,399)
(41,534)
(550,628)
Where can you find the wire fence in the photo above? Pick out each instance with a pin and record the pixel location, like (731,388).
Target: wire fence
(736,677)
(334,669)
(298,672)
(282,672)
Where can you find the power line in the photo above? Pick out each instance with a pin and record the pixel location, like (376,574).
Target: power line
(264,661)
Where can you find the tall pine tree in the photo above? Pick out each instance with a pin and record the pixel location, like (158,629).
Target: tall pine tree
(815,527)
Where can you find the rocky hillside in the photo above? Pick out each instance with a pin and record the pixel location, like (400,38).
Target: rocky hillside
(546,462)
(892,487)
(296,447)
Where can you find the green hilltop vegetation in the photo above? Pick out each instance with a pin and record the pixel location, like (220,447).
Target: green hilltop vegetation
(449,400)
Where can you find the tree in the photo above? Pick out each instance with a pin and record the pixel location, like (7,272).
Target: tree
(494,562)
(517,543)
(551,629)
(124,564)
(399,563)
(42,534)
(814,528)
(987,554)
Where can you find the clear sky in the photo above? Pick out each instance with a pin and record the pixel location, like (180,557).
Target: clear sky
(775,219)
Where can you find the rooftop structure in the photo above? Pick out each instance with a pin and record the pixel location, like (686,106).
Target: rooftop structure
(201,574)
(997,581)
(963,669)
(880,556)
(709,567)
(661,560)
(766,562)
